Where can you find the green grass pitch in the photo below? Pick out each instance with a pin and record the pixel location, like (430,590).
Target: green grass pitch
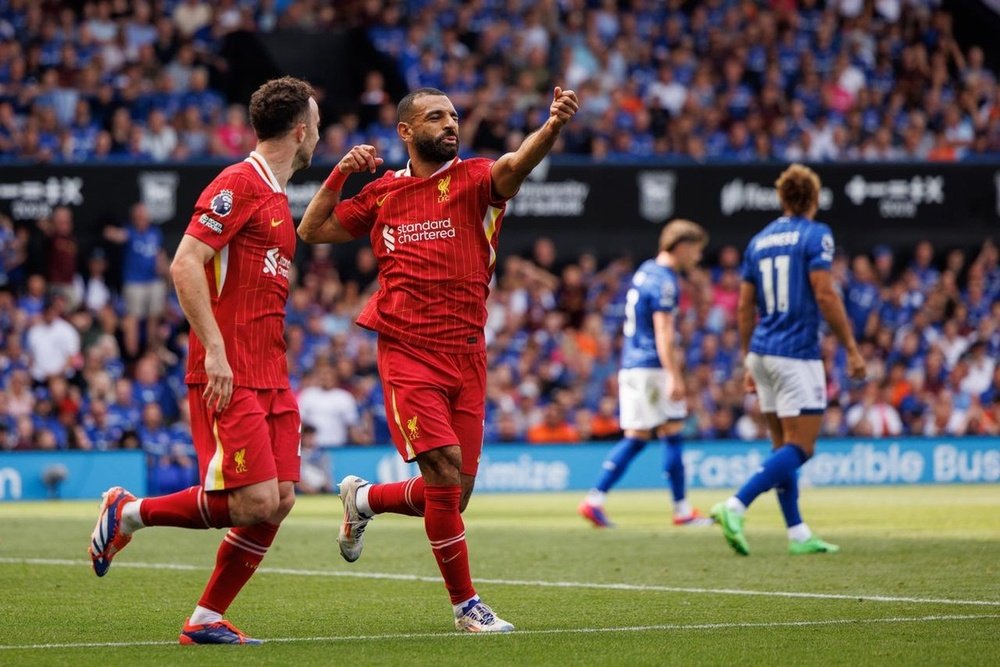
(917,583)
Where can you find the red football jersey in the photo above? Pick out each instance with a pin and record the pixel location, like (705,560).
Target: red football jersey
(244,216)
(435,240)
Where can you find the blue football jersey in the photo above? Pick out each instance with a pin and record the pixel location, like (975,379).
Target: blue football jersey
(654,288)
(777,262)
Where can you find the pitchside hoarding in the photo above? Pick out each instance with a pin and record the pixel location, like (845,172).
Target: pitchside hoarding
(710,464)
(609,209)
(714,464)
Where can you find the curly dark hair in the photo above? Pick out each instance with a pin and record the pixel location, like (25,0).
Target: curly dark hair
(798,189)
(278,105)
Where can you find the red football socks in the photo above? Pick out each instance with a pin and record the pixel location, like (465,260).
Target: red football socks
(240,553)
(398,497)
(191,508)
(446,532)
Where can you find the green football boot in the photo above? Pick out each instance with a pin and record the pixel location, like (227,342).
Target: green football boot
(813,545)
(732,528)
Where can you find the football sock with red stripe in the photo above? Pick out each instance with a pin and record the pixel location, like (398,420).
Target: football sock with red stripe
(446,532)
(240,553)
(191,508)
(398,497)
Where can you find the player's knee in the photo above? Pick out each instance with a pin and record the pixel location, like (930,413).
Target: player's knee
(285,504)
(441,466)
(254,506)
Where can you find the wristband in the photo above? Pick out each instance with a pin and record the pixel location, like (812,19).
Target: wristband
(335,181)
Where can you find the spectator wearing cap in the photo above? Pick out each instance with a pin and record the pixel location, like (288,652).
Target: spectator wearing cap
(143,263)
(53,343)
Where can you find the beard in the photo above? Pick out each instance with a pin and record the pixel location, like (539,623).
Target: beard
(302,159)
(434,149)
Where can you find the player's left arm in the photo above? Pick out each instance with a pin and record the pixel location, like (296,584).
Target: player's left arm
(746,315)
(663,331)
(510,170)
(746,320)
(831,306)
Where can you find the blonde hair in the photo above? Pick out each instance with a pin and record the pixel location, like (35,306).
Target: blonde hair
(678,231)
(798,189)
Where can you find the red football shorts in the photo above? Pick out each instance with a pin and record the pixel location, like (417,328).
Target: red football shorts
(433,399)
(256,438)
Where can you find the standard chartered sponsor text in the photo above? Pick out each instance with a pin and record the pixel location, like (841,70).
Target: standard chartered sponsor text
(428,230)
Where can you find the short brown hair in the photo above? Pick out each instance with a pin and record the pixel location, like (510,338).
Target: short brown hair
(679,231)
(278,105)
(798,189)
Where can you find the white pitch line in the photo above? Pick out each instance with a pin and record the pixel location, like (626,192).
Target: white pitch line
(647,588)
(552,631)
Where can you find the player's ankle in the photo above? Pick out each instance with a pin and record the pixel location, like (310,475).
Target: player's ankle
(132,517)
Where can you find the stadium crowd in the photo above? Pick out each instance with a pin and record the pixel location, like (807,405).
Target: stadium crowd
(87,364)
(717,80)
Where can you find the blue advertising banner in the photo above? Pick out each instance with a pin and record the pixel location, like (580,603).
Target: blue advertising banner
(37,475)
(527,468)
(709,464)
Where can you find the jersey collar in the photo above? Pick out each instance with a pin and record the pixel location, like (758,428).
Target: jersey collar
(260,165)
(446,165)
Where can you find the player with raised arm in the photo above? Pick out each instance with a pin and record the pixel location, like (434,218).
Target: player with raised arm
(231,275)
(787,282)
(433,228)
(651,390)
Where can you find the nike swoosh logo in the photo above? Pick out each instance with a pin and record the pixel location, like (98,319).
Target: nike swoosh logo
(381,200)
(275,223)
(448,560)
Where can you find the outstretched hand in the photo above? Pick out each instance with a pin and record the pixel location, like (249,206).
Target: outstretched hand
(362,157)
(565,104)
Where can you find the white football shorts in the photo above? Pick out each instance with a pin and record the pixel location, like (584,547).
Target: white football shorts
(644,399)
(790,387)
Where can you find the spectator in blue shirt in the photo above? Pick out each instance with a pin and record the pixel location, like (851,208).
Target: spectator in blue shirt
(150,388)
(124,412)
(97,424)
(142,276)
(862,297)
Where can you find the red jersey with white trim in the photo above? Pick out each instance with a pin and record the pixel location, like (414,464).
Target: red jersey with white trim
(435,240)
(243,215)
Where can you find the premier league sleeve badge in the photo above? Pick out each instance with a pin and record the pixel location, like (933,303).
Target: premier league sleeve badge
(222,203)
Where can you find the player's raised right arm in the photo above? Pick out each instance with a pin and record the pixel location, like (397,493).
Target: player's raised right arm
(319,224)
(188,273)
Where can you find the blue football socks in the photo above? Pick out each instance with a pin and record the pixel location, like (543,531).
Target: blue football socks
(788,498)
(673,464)
(777,469)
(617,462)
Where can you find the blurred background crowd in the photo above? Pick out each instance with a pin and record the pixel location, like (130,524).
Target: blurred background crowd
(734,80)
